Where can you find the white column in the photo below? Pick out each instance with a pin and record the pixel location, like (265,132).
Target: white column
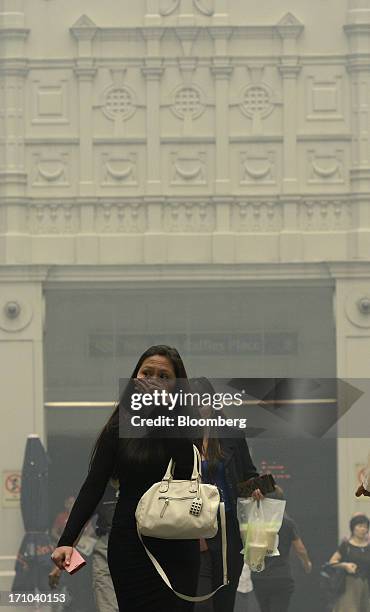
(153,71)
(22,385)
(154,243)
(353,349)
(290,69)
(221,73)
(289,73)
(223,243)
(291,248)
(85,71)
(358,33)
(14,246)
(87,244)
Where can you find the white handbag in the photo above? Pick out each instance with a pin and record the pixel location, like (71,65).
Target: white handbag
(182,510)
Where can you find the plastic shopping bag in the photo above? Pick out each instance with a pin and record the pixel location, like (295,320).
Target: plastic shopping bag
(260,522)
(245,583)
(273,511)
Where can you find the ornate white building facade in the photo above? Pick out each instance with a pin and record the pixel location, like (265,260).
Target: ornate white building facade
(180,142)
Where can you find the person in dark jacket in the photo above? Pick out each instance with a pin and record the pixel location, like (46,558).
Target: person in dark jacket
(226,462)
(105,597)
(274,586)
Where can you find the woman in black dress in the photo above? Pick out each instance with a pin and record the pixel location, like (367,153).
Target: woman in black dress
(354,556)
(138,463)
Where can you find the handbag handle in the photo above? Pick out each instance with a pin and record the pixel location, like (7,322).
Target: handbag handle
(197,467)
(163,575)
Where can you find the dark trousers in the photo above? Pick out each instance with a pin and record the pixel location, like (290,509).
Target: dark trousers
(273,595)
(210,574)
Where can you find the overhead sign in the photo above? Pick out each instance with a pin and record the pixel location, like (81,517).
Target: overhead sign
(11,488)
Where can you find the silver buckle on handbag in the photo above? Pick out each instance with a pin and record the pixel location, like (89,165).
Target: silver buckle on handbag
(196,506)
(164,486)
(194,487)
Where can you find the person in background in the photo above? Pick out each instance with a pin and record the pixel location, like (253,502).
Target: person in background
(77,588)
(62,518)
(354,556)
(274,586)
(226,462)
(105,597)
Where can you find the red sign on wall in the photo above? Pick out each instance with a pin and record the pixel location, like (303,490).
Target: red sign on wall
(11,488)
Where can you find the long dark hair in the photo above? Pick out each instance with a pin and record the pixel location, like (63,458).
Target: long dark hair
(214,451)
(139,448)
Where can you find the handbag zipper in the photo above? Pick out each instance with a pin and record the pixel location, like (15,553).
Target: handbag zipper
(167,501)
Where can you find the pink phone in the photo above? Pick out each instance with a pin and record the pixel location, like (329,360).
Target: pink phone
(76,562)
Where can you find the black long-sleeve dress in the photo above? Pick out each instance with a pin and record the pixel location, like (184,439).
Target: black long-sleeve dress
(137,584)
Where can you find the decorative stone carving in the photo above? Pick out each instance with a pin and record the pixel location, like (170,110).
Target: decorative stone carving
(200,5)
(325,168)
(256,216)
(53,218)
(119,170)
(325,215)
(120,217)
(324,98)
(51,171)
(188,102)
(188,169)
(187,37)
(257,100)
(189,217)
(289,26)
(169,7)
(84,28)
(256,168)
(50,102)
(118,101)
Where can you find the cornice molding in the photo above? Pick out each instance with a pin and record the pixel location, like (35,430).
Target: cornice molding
(51,140)
(358,62)
(152,32)
(184,198)
(14,67)
(202,61)
(329,137)
(289,68)
(354,29)
(181,275)
(60,276)
(26,274)
(86,32)
(19,33)
(221,68)
(221,32)
(85,70)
